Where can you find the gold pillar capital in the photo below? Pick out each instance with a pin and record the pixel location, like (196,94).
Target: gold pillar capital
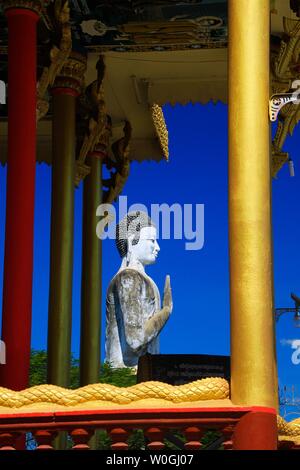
(33,5)
(71,77)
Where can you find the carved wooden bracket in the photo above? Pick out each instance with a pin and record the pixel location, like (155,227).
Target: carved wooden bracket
(277,102)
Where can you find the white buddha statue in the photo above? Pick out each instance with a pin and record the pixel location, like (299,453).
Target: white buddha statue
(134,315)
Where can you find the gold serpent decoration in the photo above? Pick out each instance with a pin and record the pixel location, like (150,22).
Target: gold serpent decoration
(214,388)
(291,429)
(205,389)
(121,163)
(96,121)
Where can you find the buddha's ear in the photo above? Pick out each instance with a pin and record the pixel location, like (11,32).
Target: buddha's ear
(129,241)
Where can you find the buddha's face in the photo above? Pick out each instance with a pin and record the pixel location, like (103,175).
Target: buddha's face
(147,248)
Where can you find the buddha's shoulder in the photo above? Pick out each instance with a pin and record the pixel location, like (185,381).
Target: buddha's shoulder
(131,275)
(131,279)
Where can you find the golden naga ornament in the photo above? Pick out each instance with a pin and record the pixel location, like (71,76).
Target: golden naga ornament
(214,388)
(121,164)
(288,432)
(95,121)
(97,137)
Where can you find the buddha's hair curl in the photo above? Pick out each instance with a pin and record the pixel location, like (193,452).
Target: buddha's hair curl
(131,224)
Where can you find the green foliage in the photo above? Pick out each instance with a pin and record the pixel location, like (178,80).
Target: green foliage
(211,437)
(174,439)
(38,372)
(38,369)
(124,377)
(74,372)
(136,440)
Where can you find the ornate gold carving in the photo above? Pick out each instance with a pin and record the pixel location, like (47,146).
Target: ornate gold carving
(82,170)
(42,107)
(161,129)
(97,136)
(285,71)
(278,160)
(288,429)
(214,388)
(121,164)
(93,106)
(58,56)
(72,73)
(34,5)
(277,102)
(289,117)
(283,65)
(95,130)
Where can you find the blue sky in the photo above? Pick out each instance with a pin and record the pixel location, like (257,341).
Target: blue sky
(196,174)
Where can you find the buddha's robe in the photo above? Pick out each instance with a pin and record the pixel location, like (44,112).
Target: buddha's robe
(132,299)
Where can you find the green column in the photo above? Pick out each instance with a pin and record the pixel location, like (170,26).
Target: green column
(91,289)
(66,89)
(62,223)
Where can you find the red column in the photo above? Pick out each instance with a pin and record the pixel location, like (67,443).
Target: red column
(256,430)
(18,261)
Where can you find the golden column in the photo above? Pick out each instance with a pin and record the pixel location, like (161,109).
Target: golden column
(91,282)
(253,373)
(66,88)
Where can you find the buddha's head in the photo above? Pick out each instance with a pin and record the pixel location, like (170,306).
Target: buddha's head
(136,238)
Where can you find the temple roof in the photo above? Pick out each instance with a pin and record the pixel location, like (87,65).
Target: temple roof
(155,53)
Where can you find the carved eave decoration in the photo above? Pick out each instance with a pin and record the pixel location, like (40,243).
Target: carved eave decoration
(119,165)
(58,56)
(161,129)
(91,121)
(285,70)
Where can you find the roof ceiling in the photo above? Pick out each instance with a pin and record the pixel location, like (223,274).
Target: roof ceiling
(155,52)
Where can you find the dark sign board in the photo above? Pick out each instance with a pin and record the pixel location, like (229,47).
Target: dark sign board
(178,369)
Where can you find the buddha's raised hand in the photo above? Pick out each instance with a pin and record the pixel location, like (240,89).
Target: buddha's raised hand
(168,301)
